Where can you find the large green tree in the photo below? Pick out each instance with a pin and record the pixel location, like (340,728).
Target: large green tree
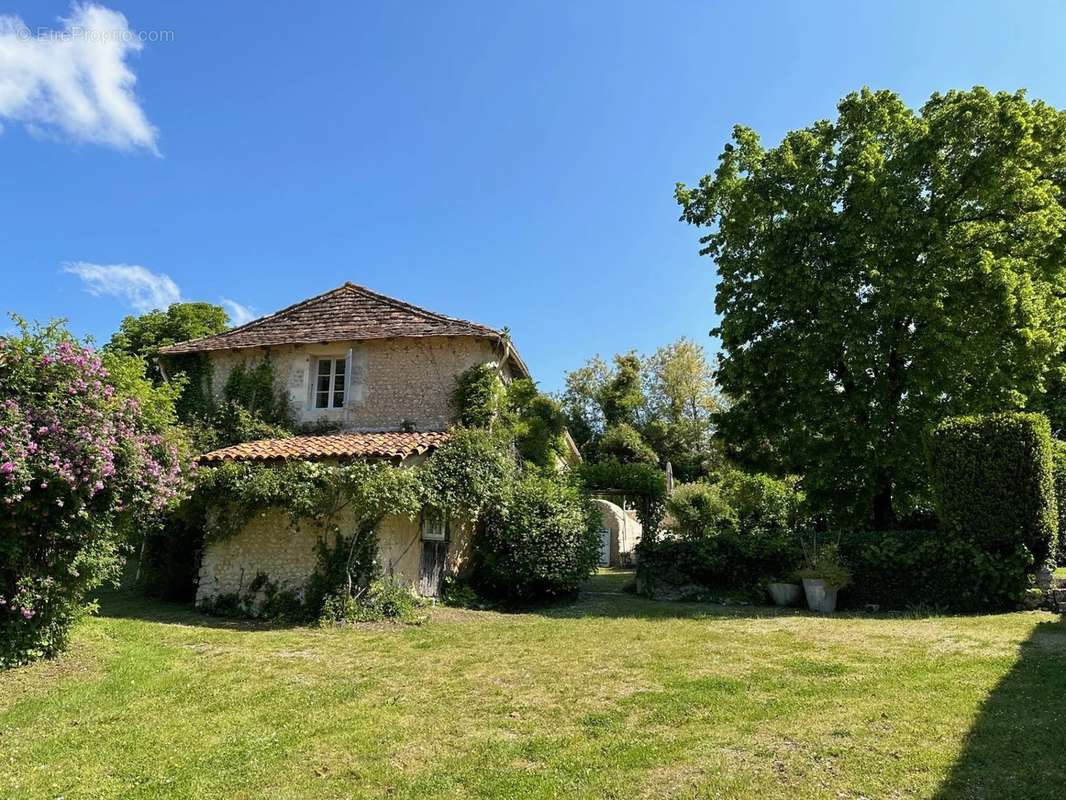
(143,335)
(879,272)
(682,398)
(653,409)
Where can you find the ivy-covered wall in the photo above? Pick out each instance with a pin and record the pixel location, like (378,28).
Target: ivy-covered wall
(287,555)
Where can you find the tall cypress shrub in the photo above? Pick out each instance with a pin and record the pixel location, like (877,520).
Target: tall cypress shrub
(993,481)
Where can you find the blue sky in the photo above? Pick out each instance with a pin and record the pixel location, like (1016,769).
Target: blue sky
(511,163)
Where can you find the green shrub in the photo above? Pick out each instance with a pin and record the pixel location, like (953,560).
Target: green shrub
(1060,498)
(728,535)
(762,502)
(904,568)
(348,560)
(541,542)
(231,423)
(993,483)
(469,473)
(255,388)
(697,507)
(825,563)
(536,422)
(262,599)
(270,601)
(458,592)
(385,599)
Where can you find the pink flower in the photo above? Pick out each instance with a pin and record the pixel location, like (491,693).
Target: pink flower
(7,468)
(27,613)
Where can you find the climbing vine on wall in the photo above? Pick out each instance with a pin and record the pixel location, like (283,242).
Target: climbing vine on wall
(255,388)
(532,420)
(348,501)
(195,402)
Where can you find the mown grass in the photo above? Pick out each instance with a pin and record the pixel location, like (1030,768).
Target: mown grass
(613,696)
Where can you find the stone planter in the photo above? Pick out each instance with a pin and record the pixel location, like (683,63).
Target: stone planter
(820,596)
(785,594)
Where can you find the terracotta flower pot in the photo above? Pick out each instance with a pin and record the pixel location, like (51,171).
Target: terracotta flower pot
(820,596)
(785,594)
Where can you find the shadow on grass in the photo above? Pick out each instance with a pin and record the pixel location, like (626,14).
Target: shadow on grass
(610,580)
(593,602)
(1017,745)
(601,597)
(127,604)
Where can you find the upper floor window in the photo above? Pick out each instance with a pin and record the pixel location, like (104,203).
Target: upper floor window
(329,387)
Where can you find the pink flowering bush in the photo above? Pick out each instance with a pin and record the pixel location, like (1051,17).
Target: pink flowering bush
(87,457)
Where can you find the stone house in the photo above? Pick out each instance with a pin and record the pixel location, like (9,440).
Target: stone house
(382,372)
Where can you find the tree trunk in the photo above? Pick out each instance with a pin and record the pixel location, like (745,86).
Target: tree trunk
(884,515)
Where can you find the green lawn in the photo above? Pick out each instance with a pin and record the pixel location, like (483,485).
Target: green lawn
(611,697)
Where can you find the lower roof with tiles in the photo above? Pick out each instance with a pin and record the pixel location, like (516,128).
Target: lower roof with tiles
(389,444)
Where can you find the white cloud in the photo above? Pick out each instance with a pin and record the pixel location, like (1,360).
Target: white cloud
(238,314)
(74,81)
(137,286)
(142,289)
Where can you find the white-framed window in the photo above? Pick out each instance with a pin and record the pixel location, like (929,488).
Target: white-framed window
(330,377)
(434,525)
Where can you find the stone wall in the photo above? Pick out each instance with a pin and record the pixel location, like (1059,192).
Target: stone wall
(287,555)
(393,381)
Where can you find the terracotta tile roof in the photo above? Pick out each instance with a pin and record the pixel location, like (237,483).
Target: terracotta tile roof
(346,313)
(339,445)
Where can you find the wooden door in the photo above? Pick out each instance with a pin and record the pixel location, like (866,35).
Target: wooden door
(431,567)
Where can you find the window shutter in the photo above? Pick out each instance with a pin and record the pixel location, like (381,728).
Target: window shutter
(348,378)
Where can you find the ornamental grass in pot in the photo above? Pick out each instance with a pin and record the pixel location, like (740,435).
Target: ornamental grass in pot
(823,575)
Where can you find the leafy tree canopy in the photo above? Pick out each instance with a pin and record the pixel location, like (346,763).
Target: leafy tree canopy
(646,409)
(879,272)
(143,335)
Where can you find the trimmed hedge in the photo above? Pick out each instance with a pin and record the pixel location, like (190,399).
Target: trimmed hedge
(993,482)
(903,568)
(1060,497)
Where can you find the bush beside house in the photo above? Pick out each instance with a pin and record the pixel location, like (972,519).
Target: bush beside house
(542,541)
(994,480)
